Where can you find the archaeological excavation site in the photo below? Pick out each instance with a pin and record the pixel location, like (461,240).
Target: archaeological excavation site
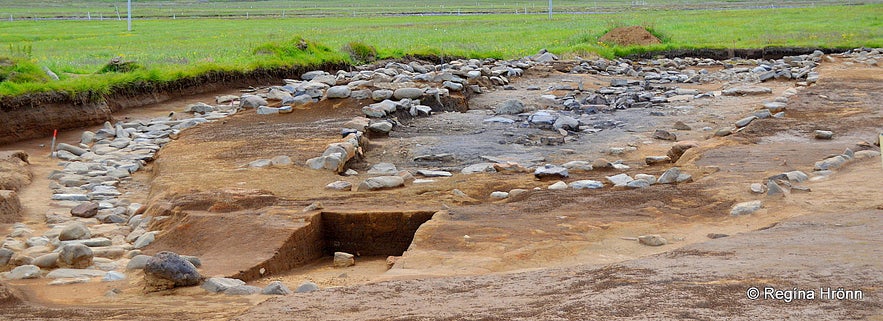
(541,188)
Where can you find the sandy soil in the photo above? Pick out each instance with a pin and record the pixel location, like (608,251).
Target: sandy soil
(564,255)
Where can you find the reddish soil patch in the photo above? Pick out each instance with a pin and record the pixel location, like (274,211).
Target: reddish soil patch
(630,36)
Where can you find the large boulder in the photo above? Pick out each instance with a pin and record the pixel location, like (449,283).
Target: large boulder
(510,107)
(77,256)
(167,270)
(74,231)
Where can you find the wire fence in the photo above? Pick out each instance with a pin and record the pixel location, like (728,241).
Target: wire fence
(100,10)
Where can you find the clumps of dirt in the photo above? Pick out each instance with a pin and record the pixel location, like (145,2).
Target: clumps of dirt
(630,36)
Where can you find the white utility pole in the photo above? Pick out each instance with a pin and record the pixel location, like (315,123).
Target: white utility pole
(550,9)
(129,16)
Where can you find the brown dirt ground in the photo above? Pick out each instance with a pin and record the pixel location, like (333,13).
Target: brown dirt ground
(630,36)
(547,256)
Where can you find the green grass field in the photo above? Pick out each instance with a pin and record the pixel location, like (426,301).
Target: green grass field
(170,49)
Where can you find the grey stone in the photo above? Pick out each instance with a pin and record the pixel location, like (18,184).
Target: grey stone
(479,168)
(578,166)
(669,176)
(664,135)
(46,261)
(453,86)
(37,241)
(500,195)
(74,231)
(773,188)
(542,119)
(374,111)
(24,272)
(166,270)
(745,121)
(775,106)
(70,197)
(745,208)
(757,188)
(5,256)
(75,273)
(138,262)
(410,93)
(343,259)
(431,173)
(652,240)
(550,171)
(653,160)
(218,285)
(620,179)
(276,288)
(383,169)
(76,256)
(339,186)
(381,182)
(338,92)
(746,91)
(200,107)
(381,94)
(797,176)
(310,75)
(90,242)
(252,101)
(647,178)
(260,163)
(510,107)
(307,287)
(566,123)
(301,100)
(381,127)
(499,120)
(113,276)
(586,184)
(144,240)
(558,186)
(70,148)
(823,134)
(830,163)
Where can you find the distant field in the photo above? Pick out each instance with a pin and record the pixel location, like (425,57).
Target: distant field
(113,9)
(170,49)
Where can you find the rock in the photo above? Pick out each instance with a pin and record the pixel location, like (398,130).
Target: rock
(716,235)
(24,272)
(46,261)
(664,135)
(383,169)
(679,125)
(338,92)
(669,176)
(602,163)
(578,166)
(546,57)
(113,276)
(499,120)
(342,260)
(218,285)
(647,178)
(757,188)
(479,168)
(167,270)
(542,119)
(500,195)
(74,231)
(70,148)
(144,240)
(201,108)
(558,186)
(242,290)
(339,186)
(380,183)
(653,160)
(652,240)
(620,179)
(381,94)
(775,106)
(745,208)
(5,256)
(745,121)
(746,91)
(301,100)
(252,101)
(566,123)
(310,75)
(773,188)
(678,149)
(138,262)
(723,132)
(510,107)
(382,127)
(409,93)
(830,163)
(85,210)
(586,184)
(307,287)
(281,161)
(550,171)
(77,256)
(276,288)
(823,134)
(430,173)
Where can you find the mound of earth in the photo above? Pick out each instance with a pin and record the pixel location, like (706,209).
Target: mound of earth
(630,36)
